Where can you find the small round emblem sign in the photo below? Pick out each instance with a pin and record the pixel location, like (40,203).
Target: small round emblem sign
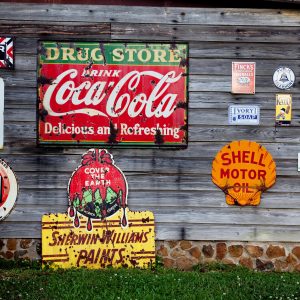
(8,189)
(283,78)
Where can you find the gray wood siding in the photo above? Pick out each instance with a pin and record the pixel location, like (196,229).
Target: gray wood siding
(174,184)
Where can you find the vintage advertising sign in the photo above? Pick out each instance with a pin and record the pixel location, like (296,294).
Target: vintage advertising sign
(243,77)
(283,109)
(283,78)
(1,113)
(8,189)
(243,114)
(6,53)
(125,94)
(99,230)
(108,244)
(243,170)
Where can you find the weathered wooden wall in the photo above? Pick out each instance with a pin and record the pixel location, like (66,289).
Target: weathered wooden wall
(176,185)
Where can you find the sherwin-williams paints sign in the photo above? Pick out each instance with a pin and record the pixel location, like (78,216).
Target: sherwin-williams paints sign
(98,230)
(112,93)
(243,170)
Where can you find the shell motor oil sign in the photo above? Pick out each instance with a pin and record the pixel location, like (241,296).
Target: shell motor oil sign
(98,230)
(243,170)
(112,93)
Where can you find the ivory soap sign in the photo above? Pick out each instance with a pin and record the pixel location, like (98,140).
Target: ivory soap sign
(98,230)
(244,114)
(126,94)
(243,78)
(243,170)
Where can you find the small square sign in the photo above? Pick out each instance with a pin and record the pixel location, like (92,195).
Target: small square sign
(243,78)
(6,53)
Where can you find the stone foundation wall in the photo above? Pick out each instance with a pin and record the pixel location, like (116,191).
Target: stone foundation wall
(261,256)
(186,254)
(20,249)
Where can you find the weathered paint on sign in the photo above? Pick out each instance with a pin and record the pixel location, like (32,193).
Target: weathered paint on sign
(1,112)
(8,189)
(243,78)
(108,244)
(98,230)
(284,78)
(6,53)
(283,109)
(243,170)
(243,114)
(97,188)
(112,93)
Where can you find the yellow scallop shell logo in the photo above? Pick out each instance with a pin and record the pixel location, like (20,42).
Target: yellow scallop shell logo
(243,170)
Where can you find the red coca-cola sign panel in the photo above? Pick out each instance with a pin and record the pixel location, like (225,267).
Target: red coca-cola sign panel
(131,94)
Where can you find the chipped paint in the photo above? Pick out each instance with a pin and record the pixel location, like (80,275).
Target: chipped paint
(8,189)
(124,94)
(99,230)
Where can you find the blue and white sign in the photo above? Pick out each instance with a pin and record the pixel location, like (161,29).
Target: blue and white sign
(243,114)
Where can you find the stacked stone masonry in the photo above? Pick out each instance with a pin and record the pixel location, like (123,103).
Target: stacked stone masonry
(261,256)
(186,254)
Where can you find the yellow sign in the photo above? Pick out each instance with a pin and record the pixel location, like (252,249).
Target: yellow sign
(283,109)
(243,170)
(108,244)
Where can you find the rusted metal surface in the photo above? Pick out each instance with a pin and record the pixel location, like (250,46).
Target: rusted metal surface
(98,230)
(8,189)
(107,244)
(243,170)
(97,189)
(6,53)
(125,94)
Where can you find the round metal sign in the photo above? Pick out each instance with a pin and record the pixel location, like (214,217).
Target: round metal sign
(8,189)
(284,78)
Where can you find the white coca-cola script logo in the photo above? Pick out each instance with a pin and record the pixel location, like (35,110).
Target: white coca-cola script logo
(63,90)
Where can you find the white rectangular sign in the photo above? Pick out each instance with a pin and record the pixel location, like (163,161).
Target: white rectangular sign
(298,162)
(1,111)
(243,115)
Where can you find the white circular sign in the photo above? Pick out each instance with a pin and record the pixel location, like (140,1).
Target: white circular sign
(284,78)
(8,189)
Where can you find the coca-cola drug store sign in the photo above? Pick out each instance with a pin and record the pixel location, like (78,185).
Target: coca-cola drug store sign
(112,93)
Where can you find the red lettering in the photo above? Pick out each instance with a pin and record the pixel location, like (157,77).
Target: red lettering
(260,160)
(82,256)
(235,173)
(224,158)
(236,157)
(246,156)
(252,174)
(243,171)
(224,173)
(252,158)
(54,238)
(262,174)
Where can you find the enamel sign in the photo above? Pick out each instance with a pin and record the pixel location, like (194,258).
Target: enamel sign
(98,230)
(243,78)
(6,53)
(243,170)
(1,113)
(125,94)
(244,114)
(283,109)
(284,78)
(8,189)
